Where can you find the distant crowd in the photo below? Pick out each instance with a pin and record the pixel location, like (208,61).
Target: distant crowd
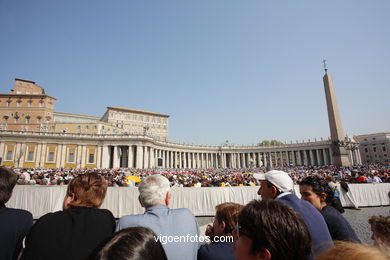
(204,177)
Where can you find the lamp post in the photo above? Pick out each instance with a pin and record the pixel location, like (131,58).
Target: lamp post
(352,146)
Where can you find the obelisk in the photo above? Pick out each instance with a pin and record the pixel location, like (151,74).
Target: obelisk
(339,153)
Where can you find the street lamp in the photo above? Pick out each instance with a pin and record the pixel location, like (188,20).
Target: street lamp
(352,146)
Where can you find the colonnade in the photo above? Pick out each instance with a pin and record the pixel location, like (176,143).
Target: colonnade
(54,150)
(142,157)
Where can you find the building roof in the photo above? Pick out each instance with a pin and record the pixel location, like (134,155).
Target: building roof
(372,135)
(25,95)
(125,109)
(25,80)
(76,115)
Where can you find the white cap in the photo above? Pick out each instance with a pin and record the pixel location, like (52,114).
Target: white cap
(280,179)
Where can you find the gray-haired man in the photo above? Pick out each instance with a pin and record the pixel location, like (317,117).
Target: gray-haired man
(176,229)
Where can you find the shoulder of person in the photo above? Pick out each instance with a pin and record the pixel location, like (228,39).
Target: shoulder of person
(182,211)
(20,212)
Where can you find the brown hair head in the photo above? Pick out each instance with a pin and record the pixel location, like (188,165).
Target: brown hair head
(8,180)
(87,190)
(133,243)
(228,213)
(275,227)
(351,251)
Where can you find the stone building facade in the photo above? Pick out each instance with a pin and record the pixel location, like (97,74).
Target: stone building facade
(26,108)
(125,137)
(70,150)
(374,148)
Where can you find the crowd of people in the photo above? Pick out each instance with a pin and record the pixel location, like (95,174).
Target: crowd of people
(204,177)
(280,226)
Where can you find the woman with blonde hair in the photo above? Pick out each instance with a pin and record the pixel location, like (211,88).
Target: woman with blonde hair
(78,229)
(220,233)
(352,251)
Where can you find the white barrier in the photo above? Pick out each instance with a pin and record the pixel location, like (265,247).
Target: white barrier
(121,201)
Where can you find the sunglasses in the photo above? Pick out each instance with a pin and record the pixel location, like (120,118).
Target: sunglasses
(239,231)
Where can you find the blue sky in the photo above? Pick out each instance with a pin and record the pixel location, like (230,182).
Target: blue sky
(241,71)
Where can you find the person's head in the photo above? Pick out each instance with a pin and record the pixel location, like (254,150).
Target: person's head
(135,243)
(268,229)
(8,179)
(351,251)
(87,190)
(316,190)
(154,190)
(225,219)
(380,227)
(273,183)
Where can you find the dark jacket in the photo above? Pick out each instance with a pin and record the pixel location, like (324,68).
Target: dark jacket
(14,225)
(338,226)
(216,251)
(70,234)
(321,239)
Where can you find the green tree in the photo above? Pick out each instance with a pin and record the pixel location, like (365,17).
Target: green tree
(270,143)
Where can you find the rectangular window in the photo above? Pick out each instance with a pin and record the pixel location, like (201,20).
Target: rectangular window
(30,156)
(71,158)
(366,150)
(374,149)
(384,148)
(9,156)
(91,158)
(51,157)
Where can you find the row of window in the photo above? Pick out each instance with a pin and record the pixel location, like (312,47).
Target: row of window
(138,117)
(374,149)
(87,127)
(27,120)
(50,157)
(19,103)
(384,155)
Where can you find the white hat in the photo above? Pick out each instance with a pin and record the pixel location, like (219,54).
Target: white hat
(280,179)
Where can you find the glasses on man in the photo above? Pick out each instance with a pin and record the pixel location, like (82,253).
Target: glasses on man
(239,231)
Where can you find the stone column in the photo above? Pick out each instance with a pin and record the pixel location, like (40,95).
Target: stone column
(330,157)
(145,158)
(58,154)
(130,156)
(105,157)
(152,158)
(318,157)
(116,157)
(311,155)
(324,157)
(140,157)
(42,154)
(2,152)
(188,157)
(288,158)
(294,161)
(83,155)
(78,155)
(299,157)
(281,159)
(63,157)
(359,156)
(264,159)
